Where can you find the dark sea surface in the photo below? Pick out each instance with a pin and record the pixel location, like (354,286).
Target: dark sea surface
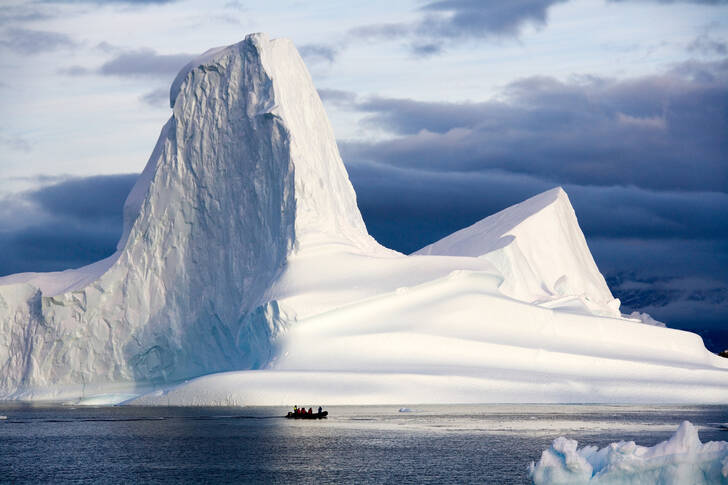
(368,444)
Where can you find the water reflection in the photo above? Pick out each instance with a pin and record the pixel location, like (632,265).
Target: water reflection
(378,444)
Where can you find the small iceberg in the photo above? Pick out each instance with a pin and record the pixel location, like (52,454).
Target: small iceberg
(680,459)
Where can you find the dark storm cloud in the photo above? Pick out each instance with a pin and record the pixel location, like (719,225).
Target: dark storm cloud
(98,197)
(144,62)
(68,224)
(313,53)
(678,281)
(55,246)
(441,203)
(660,132)
(26,41)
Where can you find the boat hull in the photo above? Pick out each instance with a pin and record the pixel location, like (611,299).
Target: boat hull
(320,415)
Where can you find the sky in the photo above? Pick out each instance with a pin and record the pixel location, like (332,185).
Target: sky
(445,111)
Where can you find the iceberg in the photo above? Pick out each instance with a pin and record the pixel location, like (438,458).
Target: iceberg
(680,459)
(245,275)
(539,248)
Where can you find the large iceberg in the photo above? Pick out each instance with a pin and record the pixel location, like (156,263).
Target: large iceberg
(245,275)
(682,459)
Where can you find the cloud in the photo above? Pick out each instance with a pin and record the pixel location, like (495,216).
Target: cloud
(144,62)
(75,70)
(663,132)
(106,2)
(679,281)
(706,44)
(313,53)
(337,96)
(157,98)
(15,143)
(29,42)
(67,224)
(25,12)
(668,2)
(82,199)
(387,31)
(439,203)
(442,22)
(426,49)
(479,19)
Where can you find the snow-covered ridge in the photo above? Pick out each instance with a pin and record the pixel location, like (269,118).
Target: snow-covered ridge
(539,247)
(244,259)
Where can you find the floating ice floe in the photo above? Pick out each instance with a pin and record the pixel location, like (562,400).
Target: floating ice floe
(682,459)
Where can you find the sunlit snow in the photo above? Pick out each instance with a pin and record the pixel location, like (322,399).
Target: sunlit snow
(244,260)
(681,459)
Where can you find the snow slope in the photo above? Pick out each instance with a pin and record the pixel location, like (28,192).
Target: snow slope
(540,249)
(244,259)
(680,459)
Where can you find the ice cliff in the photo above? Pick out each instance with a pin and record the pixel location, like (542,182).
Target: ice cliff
(243,250)
(244,171)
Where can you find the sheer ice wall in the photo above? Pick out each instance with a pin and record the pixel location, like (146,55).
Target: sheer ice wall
(246,167)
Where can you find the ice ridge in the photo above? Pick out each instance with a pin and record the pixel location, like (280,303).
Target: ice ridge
(541,250)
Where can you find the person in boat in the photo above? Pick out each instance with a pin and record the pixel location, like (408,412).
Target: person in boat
(295,409)
(320,410)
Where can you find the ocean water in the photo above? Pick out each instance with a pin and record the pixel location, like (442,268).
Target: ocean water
(368,444)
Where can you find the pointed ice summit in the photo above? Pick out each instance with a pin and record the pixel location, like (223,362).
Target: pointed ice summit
(243,250)
(539,248)
(245,171)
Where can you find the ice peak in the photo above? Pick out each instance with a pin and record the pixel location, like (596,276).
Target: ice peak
(484,236)
(539,247)
(245,172)
(259,40)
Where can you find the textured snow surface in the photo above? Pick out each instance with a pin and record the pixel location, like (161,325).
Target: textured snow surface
(682,459)
(243,172)
(244,259)
(540,249)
